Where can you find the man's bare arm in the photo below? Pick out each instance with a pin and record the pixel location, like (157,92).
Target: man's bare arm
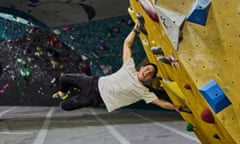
(166,104)
(128,42)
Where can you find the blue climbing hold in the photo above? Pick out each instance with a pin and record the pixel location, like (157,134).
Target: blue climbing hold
(215,96)
(199,12)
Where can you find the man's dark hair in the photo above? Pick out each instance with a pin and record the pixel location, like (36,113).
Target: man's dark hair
(155,67)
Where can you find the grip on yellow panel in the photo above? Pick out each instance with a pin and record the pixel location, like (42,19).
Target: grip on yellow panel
(132,14)
(173,86)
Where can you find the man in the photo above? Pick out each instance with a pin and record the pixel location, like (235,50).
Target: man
(117,90)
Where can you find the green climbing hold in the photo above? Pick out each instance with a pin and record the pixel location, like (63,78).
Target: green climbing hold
(189,127)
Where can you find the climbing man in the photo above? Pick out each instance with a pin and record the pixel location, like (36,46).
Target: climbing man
(116,90)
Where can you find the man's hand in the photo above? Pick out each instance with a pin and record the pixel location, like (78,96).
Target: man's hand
(184,109)
(177,108)
(167,105)
(136,28)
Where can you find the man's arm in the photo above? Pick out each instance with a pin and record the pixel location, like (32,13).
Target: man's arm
(128,42)
(166,104)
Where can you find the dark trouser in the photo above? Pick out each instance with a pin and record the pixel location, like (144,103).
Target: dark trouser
(88,96)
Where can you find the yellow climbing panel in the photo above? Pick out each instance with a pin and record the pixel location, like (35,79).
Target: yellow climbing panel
(200,61)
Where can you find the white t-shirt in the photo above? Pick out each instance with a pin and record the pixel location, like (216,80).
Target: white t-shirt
(123,88)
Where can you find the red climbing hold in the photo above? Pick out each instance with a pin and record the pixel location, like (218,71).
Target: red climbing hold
(149,9)
(207,116)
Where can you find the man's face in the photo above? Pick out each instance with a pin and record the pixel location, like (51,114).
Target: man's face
(146,73)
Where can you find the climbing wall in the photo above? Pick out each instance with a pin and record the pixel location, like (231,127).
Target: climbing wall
(198,59)
(30,67)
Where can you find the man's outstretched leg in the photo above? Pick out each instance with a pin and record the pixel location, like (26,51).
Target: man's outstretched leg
(68,81)
(87,96)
